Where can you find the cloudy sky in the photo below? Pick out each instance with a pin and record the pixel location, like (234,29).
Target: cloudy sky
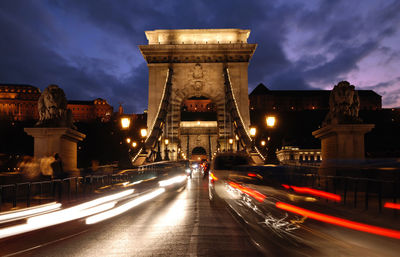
(89,48)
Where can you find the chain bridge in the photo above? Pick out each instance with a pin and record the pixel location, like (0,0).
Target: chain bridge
(203,64)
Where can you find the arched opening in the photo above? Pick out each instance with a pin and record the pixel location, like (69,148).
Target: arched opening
(198,109)
(199,153)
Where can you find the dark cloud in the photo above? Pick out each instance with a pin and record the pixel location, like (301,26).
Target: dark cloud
(90,48)
(343,62)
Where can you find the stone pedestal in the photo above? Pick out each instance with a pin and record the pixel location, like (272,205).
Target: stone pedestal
(48,141)
(341,143)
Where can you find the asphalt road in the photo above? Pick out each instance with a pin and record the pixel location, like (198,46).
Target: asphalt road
(177,223)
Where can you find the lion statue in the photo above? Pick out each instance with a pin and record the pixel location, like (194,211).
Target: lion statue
(52,107)
(344,105)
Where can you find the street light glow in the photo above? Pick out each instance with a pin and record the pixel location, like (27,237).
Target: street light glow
(166,141)
(143,132)
(125,122)
(134,144)
(253,131)
(263,143)
(271,121)
(128,140)
(230,141)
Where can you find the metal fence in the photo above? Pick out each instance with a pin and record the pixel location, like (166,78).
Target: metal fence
(27,194)
(356,192)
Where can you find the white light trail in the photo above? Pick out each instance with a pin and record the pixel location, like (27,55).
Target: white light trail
(177,179)
(24,213)
(73,211)
(69,214)
(125,207)
(54,219)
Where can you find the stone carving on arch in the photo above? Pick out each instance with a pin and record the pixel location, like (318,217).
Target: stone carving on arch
(198,80)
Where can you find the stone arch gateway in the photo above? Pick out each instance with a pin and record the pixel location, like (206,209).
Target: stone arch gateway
(212,63)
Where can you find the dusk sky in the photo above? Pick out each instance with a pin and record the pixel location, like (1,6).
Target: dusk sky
(90,48)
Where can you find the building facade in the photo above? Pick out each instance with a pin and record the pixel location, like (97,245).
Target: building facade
(86,111)
(290,155)
(19,103)
(263,99)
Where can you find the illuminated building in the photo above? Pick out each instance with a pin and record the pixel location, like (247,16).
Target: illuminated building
(84,111)
(19,103)
(290,155)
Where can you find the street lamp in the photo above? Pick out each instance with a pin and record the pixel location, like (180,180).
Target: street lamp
(271,120)
(125,122)
(230,144)
(128,140)
(166,142)
(143,132)
(263,143)
(134,144)
(253,132)
(271,155)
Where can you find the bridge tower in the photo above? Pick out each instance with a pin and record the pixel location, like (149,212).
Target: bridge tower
(196,66)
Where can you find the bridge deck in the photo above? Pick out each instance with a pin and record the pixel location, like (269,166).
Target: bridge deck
(178,223)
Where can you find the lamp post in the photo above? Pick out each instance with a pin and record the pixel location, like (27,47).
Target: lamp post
(158,154)
(166,142)
(143,134)
(237,143)
(253,132)
(230,144)
(271,123)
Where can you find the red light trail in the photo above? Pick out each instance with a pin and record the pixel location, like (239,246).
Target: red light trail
(392,206)
(248,191)
(340,222)
(311,191)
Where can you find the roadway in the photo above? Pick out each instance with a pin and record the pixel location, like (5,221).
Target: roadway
(179,222)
